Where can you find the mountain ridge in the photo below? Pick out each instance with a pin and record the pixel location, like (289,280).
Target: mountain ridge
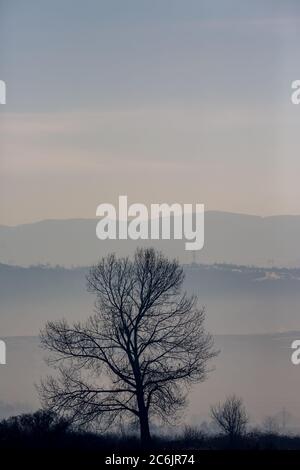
(229,238)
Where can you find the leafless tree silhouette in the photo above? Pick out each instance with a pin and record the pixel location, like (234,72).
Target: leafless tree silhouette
(231,417)
(271,425)
(140,351)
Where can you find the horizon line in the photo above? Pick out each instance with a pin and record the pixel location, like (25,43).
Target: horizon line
(61,219)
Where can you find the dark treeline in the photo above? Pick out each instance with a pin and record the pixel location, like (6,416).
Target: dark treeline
(45,430)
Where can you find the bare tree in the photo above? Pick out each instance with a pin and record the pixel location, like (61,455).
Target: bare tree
(230,417)
(271,425)
(140,351)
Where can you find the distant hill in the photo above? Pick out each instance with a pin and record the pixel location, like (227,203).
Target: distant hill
(229,238)
(237,299)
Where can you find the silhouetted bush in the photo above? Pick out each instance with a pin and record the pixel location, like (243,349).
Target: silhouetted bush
(33,429)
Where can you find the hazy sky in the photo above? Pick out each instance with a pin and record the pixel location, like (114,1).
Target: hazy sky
(162,100)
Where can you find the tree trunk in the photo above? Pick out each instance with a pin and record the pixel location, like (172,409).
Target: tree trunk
(144,429)
(144,422)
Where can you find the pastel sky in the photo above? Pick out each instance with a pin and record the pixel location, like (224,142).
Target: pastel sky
(161,100)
